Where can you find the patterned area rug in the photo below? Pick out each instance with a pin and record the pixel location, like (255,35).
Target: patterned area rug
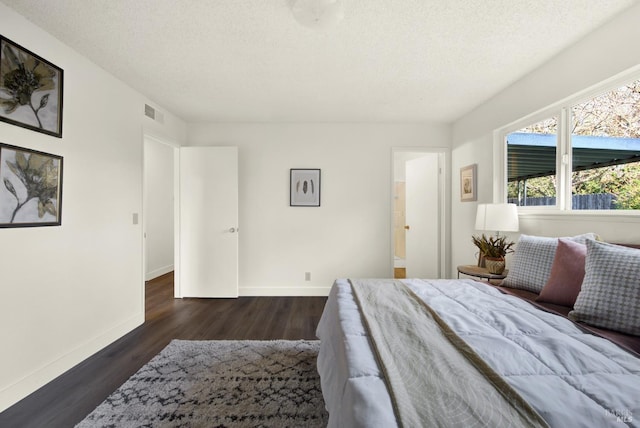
(220,383)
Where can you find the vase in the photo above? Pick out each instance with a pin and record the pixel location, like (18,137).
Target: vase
(494,265)
(481,260)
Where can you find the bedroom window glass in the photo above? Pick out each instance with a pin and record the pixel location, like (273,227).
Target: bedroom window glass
(584,154)
(605,150)
(531,164)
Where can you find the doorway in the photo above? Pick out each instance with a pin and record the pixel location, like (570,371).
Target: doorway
(198,243)
(418,232)
(158,207)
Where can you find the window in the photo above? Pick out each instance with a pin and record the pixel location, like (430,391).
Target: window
(605,142)
(595,167)
(531,164)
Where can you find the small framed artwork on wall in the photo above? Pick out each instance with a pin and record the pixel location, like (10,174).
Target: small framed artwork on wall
(30,90)
(468,183)
(304,187)
(31,187)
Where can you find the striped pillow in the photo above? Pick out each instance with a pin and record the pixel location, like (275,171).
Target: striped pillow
(533,259)
(610,294)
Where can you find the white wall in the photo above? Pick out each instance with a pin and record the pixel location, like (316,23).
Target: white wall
(349,235)
(599,56)
(68,291)
(158,179)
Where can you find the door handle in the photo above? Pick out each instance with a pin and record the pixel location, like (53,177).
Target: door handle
(233,230)
(407,227)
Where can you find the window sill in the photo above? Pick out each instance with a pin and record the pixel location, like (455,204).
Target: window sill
(586,215)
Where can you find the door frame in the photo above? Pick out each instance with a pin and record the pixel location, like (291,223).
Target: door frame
(444,203)
(176,212)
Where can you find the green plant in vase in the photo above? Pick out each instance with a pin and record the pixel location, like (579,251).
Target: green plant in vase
(493,250)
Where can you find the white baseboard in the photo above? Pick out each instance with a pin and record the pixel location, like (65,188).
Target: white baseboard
(15,392)
(158,272)
(284,291)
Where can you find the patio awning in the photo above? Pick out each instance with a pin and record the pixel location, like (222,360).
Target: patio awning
(534,155)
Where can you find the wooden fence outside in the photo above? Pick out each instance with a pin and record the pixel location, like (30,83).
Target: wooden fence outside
(597,201)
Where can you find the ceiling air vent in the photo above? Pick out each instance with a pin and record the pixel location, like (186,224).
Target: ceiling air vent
(154,114)
(149,111)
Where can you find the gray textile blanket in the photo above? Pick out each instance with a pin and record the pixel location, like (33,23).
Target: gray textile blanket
(571,378)
(421,356)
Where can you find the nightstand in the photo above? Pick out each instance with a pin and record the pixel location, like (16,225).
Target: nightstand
(482,273)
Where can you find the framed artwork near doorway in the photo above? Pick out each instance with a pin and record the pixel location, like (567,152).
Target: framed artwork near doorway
(468,183)
(31,188)
(304,187)
(30,90)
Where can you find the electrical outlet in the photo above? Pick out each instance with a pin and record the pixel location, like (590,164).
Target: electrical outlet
(307,276)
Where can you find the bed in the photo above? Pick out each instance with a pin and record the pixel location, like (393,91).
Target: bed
(567,375)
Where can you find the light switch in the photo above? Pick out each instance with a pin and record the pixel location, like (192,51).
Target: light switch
(135,218)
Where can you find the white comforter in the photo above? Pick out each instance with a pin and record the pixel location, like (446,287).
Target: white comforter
(572,378)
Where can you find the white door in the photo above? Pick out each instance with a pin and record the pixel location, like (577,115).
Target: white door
(422,217)
(208,211)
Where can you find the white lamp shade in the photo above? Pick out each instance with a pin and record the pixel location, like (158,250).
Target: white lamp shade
(498,217)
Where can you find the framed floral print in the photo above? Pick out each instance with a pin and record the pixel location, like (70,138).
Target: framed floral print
(30,188)
(30,90)
(468,183)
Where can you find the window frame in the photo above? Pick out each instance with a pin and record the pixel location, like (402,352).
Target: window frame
(564,152)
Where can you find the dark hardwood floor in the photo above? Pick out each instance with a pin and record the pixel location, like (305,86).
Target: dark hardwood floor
(69,398)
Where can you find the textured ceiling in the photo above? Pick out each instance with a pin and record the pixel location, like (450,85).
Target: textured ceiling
(387,60)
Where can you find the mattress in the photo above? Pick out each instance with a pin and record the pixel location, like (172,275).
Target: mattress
(570,377)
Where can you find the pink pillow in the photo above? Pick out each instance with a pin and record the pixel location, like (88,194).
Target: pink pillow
(567,272)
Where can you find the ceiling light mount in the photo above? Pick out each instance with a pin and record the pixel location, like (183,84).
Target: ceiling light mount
(317,14)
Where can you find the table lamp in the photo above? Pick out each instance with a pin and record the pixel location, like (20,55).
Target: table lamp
(497,217)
